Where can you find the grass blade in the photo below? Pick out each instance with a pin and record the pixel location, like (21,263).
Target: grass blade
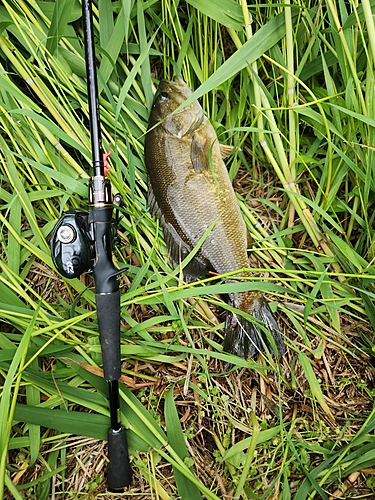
(314,384)
(186,489)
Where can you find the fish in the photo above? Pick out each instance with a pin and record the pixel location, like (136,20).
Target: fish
(189,191)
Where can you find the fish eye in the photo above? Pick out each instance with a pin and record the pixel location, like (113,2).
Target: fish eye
(164,96)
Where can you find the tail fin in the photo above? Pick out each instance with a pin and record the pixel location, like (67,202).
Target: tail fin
(245,338)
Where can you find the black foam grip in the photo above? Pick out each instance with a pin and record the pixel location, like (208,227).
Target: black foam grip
(108,310)
(119,471)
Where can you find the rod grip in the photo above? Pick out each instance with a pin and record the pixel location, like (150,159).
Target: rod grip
(108,311)
(119,471)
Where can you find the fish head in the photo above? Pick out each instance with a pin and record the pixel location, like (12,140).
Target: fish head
(169,96)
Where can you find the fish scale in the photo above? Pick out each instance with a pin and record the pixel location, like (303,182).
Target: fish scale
(190,191)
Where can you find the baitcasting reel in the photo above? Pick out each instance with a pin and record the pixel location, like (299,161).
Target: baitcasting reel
(72,242)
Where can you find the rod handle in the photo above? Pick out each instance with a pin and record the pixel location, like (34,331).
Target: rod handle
(108,311)
(119,471)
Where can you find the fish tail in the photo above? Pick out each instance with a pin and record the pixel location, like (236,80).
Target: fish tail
(246,338)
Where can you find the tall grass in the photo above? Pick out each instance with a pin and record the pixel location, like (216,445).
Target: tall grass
(290,87)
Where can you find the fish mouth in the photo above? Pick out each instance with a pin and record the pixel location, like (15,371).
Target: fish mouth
(176,87)
(179,92)
(175,80)
(178,80)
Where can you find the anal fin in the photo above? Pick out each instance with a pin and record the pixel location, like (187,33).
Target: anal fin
(178,249)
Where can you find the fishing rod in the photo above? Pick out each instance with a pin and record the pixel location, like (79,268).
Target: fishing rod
(82,243)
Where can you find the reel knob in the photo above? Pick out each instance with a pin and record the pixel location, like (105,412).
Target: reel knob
(66,234)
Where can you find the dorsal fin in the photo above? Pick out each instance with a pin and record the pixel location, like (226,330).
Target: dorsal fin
(226,150)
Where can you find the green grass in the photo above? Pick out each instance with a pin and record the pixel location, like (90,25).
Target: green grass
(290,86)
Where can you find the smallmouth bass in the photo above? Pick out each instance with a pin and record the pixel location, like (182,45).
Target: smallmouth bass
(189,190)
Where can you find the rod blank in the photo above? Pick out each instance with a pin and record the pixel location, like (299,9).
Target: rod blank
(107,292)
(92,89)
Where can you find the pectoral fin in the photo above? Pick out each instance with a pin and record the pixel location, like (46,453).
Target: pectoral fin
(199,154)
